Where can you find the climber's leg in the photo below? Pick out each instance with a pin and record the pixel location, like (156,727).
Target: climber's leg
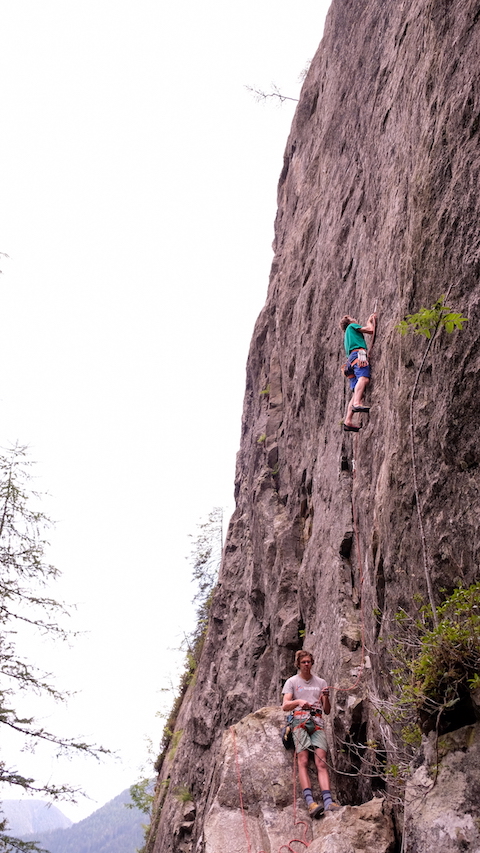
(358,387)
(302,758)
(322,771)
(359,391)
(324,781)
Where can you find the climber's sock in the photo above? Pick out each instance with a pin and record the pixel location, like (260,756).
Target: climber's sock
(307,793)
(327,799)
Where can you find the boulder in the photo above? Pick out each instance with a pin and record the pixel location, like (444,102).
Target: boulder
(367,827)
(255,806)
(442,813)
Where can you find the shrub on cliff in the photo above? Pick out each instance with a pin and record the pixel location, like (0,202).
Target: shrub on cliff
(205,558)
(439,664)
(427,320)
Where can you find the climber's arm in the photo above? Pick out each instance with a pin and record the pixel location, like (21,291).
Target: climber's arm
(325,697)
(369,327)
(289,703)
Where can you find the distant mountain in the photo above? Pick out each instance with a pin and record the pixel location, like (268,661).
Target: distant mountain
(111,829)
(27,816)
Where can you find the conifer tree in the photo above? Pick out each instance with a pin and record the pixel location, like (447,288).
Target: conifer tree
(25,606)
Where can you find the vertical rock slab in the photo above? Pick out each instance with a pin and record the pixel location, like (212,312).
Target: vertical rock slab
(378,205)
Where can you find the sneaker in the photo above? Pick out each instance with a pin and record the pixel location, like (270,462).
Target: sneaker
(333,807)
(315,810)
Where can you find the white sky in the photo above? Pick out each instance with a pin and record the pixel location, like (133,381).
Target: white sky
(138,195)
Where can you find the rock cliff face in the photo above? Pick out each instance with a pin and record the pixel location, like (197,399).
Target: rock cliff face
(378,206)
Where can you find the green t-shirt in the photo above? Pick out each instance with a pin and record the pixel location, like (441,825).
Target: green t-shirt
(353,338)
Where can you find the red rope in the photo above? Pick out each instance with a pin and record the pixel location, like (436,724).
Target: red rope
(287,845)
(295,821)
(239,780)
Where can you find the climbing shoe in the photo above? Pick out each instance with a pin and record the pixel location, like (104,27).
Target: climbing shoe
(314,810)
(365,409)
(333,807)
(348,428)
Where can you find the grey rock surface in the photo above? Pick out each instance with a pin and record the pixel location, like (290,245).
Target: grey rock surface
(443,797)
(366,828)
(255,806)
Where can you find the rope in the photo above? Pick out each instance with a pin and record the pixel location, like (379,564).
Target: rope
(415,488)
(303,841)
(423,540)
(357,540)
(361,578)
(295,821)
(288,844)
(240,795)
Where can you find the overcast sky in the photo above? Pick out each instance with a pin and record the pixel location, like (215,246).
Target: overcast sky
(138,195)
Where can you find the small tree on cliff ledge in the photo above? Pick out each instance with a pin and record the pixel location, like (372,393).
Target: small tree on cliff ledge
(205,558)
(428,320)
(24,607)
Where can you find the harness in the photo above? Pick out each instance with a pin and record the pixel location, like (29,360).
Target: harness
(309,723)
(347,368)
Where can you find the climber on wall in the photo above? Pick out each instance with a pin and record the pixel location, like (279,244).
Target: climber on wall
(307,696)
(357,368)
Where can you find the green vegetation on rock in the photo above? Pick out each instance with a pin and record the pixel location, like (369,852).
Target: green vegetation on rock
(426,320)
(438,665)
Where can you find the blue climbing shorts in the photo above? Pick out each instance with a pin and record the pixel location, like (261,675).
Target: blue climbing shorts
(358,371)
(303,740)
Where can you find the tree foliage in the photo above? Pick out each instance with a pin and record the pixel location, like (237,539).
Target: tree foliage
(426,320)
(205,559)
(438,665)
(25,606)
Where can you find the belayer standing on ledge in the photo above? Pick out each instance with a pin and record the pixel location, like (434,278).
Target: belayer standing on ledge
(307,696)
(357,368)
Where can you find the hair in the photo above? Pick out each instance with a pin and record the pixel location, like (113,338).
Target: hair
(344,322)
(302,653)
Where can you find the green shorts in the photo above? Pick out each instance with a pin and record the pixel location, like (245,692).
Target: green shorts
(303,740)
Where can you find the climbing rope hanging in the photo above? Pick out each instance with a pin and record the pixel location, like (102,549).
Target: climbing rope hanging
(303,841)
(357,540)
(287,845)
